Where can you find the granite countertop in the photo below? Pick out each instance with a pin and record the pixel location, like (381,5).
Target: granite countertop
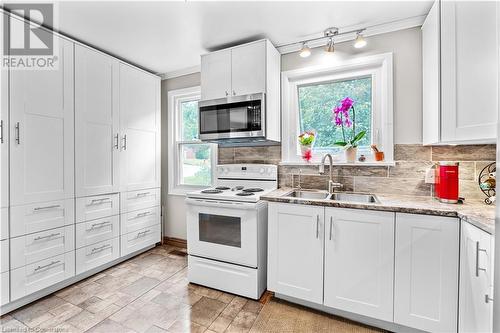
(475,212)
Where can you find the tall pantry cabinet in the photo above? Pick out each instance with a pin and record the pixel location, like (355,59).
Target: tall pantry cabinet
(79,172)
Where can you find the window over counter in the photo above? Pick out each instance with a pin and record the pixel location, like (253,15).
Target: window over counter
(190,161)
(311,94)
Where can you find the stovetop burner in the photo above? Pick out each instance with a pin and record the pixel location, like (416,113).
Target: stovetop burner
(211,191)
(244,194)
(253,189)
(222,188)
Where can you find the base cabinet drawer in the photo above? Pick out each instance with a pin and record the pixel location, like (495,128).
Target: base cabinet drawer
(140,239)
(135,200)
(42,274)
(4,288)
(139,219)
(34,247)
(4,255)
(95,231)
(96,207)
(97,254)
(41,216)
(4,223)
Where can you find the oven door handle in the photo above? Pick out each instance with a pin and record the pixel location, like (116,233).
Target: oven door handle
(221,204)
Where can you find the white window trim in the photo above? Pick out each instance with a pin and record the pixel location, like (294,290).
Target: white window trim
(175,97)
(380,66)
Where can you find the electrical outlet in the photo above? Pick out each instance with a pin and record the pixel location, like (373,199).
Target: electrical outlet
(430,176)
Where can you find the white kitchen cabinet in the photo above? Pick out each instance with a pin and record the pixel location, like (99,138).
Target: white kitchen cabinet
(359,262)
(140,239)
(476,280)
(426,272)
(248,69)
(97,254)
(42,131)
(96,207)
(4,288)
(135,200)
(4,128)
(459,92)
(216,75)
(97,123)
(140,129)
(295,251)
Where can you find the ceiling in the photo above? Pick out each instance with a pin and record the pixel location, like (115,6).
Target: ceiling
(169,36)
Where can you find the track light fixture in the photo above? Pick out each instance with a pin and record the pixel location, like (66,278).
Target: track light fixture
(330,34)
(305,51)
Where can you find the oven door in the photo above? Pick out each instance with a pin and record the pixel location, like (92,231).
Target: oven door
(222,230)
(232,117)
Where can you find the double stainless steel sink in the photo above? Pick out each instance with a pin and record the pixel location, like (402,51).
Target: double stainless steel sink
(338,196)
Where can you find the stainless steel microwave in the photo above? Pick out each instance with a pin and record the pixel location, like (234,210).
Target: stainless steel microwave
(233,118)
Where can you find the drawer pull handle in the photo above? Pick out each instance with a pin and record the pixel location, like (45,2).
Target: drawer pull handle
(18,130)
(142,233)
(142,194)
(143,214)
(99,225)
(47,207)
(45,237)
(317,226)
(487,298)
(1,131)
(100,248)
(47,266)
(331,227)
(99,201)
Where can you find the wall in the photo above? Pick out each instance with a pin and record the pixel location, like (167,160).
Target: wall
(175,209)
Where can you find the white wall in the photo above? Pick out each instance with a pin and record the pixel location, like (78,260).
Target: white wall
(175,209)
(406,47)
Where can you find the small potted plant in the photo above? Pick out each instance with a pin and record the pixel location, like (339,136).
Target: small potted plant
(306,142)
(342,118)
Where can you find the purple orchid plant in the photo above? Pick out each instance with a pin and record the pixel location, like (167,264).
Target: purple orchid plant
(341,118)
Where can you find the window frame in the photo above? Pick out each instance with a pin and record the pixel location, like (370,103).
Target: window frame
(175,141)
(379,67)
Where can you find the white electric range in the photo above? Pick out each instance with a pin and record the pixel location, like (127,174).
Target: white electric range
(227,230)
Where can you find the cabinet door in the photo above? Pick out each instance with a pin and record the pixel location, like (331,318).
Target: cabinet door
(295,258)
(96,130)
(248,69)
(4,129)
(426,272)
(140,129)
(476,273)
(430,76)
(216,75)
(359,262)
(469,86)
(42,129)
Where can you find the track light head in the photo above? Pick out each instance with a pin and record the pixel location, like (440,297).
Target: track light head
(360,41)
(305,51)
(330,46)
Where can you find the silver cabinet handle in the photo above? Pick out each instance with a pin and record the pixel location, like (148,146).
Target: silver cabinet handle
(227,94)
(142,233)
(487,298)
(143,214)
(99,201)
(331,226)
(478,249)
(100,248)
(124,147)
(234,93)
(98,225)
(17,136)
(47,266)
(1,131)
(317,226)
(47,207)
(48,236)
(142,194)
(116,144)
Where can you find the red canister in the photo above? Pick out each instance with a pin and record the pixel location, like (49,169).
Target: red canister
(446,184)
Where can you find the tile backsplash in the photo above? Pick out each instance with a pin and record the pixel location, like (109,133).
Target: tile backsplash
(406,177)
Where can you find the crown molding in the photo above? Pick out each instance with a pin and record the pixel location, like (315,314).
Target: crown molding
(371,30)
(181,72)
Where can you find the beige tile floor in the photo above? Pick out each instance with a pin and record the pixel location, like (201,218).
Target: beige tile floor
(150,293)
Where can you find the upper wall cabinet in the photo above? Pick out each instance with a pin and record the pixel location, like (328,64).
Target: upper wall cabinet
(42,128)
(97,123)
(460,73)
(240,70)
(139,128)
